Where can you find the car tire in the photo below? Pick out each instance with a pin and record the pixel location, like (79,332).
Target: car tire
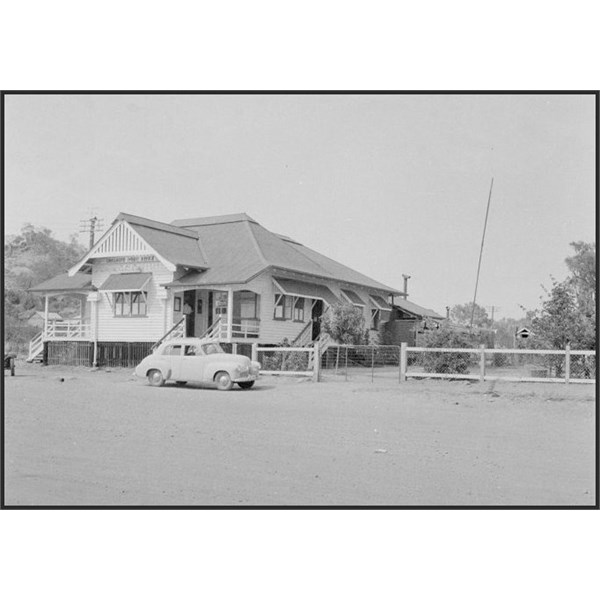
(246,385)
(155,378)
(223,381)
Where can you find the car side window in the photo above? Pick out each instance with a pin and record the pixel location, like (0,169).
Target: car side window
(191,351)
(174,350)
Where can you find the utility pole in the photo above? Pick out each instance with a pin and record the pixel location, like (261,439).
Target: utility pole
(91,226)
(492,309)
(487,212)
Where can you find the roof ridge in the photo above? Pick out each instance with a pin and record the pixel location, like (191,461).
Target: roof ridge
(152,224)
(213,220)
(256,244)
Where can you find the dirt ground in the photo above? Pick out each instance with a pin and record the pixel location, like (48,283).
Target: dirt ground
(81,437)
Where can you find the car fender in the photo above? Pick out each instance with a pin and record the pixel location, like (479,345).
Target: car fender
(166,373)
(214,368)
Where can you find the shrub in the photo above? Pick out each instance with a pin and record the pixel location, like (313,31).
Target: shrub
(449,337)
(344,323)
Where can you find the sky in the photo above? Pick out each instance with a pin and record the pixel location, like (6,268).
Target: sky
(386,184)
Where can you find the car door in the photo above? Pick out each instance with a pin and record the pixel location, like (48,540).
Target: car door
(172,357)
(191,363)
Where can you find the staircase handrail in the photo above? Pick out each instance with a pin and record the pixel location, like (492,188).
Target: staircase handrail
(299,339)
(164,337)
(216,325)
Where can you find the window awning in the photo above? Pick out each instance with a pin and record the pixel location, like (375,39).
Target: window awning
(354,298)
(291,287)
(379,302)
(125,282)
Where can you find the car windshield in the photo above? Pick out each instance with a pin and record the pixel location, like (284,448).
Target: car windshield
(212,348)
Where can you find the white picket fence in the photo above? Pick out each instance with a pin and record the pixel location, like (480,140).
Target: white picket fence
(484,364)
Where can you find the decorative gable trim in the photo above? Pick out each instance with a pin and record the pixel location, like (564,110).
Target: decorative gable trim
(120,240)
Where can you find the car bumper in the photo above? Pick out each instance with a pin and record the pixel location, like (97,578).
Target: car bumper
(247,378)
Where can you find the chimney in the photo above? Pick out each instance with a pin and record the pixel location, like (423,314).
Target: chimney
(406,278)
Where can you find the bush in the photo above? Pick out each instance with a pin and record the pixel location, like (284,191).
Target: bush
(449,362)
(344,323)
(284,361)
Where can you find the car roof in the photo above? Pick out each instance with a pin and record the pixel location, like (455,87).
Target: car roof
(189,340)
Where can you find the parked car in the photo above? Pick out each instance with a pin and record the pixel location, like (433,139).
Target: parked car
(199,361)
(9,362)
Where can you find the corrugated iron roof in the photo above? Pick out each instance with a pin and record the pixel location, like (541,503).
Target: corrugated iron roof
(216,220)
(293,287)
(80,282)
(125,282)
(150,223)
(176,248)
(237,248)
(379,302)
(415,309)
(354,298)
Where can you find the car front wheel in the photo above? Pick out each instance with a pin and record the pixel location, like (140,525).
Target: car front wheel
(246,385)
(155,378)
(223,381)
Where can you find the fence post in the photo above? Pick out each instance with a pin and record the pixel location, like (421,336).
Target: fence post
(316,362)
(255,352)
(373,364)
(346,363)
(403,362)
(482,364)
(567,363)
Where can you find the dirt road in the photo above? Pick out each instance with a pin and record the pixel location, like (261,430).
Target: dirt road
(106,438)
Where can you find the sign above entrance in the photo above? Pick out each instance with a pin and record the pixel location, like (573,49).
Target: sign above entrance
(129,259)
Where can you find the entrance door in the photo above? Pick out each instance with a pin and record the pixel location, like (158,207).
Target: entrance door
(189,310)
(317,311)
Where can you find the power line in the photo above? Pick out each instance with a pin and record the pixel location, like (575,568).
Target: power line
(92,225)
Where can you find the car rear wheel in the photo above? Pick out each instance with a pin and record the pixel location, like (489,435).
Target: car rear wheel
(223,381)
(155,378)
(246,385)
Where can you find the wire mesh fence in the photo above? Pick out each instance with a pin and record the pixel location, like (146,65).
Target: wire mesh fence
(396,363)
(282,361)
(510,365)
(347,362)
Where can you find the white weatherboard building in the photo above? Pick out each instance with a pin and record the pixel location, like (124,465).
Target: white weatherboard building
(224,277)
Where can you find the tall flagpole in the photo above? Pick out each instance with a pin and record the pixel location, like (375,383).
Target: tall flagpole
(487,212)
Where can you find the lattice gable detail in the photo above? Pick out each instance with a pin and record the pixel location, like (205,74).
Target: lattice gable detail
(120,240)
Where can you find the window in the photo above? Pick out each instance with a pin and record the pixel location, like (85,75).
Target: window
(283,306)
(212,349)
(299,309)
(375,317)
(248,305)
(130,304)
(190,351)
(174,350)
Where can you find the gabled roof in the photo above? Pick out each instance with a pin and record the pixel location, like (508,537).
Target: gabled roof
(173,245)
(237,248)
(80,282)
(179,246)
(415,309)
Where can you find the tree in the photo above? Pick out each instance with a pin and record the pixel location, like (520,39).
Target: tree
(560,320)
(460,314)
(583,275)
(344,323)
(32,256)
